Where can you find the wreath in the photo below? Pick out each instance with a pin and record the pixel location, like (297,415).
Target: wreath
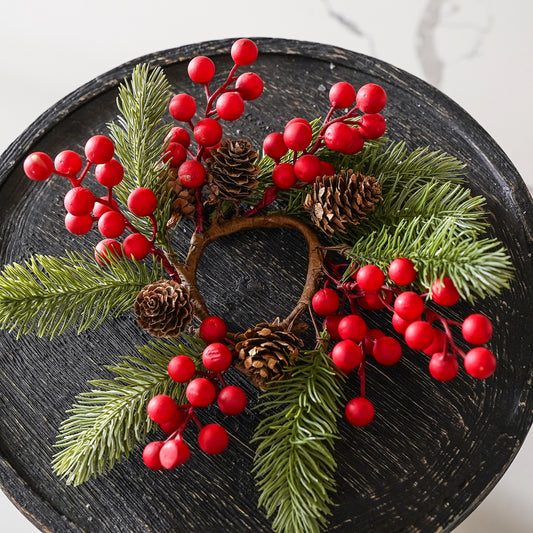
(386,228)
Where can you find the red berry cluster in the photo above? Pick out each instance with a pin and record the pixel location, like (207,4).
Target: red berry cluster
(202,389)
(85,209)
(345,134)
(422,327)
(225,103)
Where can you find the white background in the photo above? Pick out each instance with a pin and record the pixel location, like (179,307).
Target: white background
(478,52)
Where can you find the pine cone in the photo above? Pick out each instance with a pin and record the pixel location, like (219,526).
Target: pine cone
(163,308)
(342,199)
(185,203)
(265,350)
(231,172)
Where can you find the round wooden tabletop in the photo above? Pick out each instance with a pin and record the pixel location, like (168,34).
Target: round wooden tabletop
(434,451)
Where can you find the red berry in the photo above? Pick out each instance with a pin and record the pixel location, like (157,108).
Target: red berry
(175,154)
(480,362)
(338,136)
(181,368)
(359,411)
(443,367)
(402,271)
(409,305)
(274,146)
(347,355)
(371,336)
(161,408)
(201,69)
(68,162)
(200,392)
(101,207)
(179,135)
(151,455)
(444,292)
(38,166)
(400,324)
(174,453)
(419,335)
(352,327)
(372,126)
(213,439)
(207,132)
(232,400)
(99,149)
(109,174)
(387,350)
(136,246)
(78,225)
(354,142)
(370,278)
(79,201)
(217,357)
(174,423)
(142,202)
(192,174)
(182,107)
(371,98)
(325,302)
(438,344)
(298,135)
(307,167)
(112,224)
(326,168)
(373,300)
(283,176)
(331,323)
(249,85)
(244,52)
(477,329)
(108,251)
(230,106)
(342,95)
(213,329)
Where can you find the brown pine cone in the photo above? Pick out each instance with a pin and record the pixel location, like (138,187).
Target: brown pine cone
(342,199)
(184,204)
(265,350)
(163,308)
(231,171)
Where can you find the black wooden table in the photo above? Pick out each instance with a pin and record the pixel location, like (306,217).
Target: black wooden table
(434,450)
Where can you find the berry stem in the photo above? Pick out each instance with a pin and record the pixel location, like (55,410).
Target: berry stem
(270,194)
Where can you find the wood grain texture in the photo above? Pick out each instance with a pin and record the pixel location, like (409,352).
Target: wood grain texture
(434,451)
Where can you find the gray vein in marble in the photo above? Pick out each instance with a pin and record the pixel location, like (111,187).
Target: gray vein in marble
(349,24)
(431,63)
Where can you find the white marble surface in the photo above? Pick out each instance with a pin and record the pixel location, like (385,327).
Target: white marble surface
(478,52)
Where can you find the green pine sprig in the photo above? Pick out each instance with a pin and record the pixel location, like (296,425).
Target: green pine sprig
(47,295)
(139,136)
(479,266)
(106,422)
(294,463)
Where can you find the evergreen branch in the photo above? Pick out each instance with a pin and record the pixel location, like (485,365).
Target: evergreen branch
(389,161)
(294,463)
(47,295)
(478,266)
(105,423)
(139,137)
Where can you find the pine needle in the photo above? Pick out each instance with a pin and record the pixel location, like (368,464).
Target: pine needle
(47,295)
(478,266)
(294,463)
(139,136)
(106,422)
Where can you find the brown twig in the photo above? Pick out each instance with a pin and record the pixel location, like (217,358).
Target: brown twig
(199,241)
